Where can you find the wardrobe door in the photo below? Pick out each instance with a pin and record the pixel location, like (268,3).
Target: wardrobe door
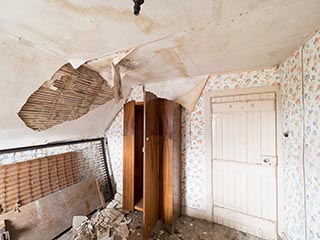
(169,161)
(128,155)
(151,163)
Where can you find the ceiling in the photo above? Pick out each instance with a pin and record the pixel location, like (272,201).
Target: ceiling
(200,37)
(171,40)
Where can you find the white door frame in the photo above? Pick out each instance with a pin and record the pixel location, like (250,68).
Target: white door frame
(209,150)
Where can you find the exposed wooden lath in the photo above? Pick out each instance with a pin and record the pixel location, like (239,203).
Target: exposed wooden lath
(70,94)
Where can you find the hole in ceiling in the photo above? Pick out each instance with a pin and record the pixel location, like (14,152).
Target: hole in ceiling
(68,95)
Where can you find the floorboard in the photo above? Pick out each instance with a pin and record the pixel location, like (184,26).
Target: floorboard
(139,205)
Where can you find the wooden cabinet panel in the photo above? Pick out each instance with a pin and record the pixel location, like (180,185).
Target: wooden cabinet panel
(170,171)
(128,155)
(160,167)
(151,164)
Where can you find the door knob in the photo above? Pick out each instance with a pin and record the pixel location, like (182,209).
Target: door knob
(266,160)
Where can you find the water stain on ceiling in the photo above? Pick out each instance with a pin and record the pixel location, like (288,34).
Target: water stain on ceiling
(109,13)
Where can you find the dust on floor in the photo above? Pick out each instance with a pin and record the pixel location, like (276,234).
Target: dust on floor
(111,224)
(187,228)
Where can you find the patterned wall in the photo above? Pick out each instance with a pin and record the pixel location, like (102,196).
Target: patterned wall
(303,65)
(292,121)
(311,66)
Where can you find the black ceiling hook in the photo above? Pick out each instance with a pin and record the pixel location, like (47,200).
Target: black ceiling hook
(137,6)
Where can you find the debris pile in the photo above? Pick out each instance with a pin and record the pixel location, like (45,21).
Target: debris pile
(103,225)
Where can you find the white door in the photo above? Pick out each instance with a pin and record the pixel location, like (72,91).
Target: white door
(244,163)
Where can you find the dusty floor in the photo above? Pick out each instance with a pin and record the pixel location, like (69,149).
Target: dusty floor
(187,228)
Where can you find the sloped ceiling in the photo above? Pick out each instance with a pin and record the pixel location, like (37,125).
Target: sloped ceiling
(170,40)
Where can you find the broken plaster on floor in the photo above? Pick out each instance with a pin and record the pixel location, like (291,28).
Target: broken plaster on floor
(111,224)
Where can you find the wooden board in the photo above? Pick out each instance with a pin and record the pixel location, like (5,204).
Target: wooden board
(139,205)
(151,164)
(170,170)
(49,216)
(128,155)
(28,181)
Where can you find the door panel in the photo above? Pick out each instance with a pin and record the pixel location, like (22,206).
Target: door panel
(151,164)
(244,162)
(128,155)
(268,132)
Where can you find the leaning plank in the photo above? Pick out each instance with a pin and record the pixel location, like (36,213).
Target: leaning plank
(49,216)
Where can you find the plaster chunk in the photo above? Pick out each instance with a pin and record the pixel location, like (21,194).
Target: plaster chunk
(78,220)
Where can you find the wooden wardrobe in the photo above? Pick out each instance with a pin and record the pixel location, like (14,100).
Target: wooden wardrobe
(151,160)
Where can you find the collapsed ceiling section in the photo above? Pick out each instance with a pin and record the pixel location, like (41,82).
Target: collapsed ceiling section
(69,94)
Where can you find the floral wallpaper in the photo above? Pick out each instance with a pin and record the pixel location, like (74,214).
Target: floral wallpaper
(301,150)
(311,71)
(292,121)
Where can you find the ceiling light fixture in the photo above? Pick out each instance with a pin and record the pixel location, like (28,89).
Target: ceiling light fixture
(137,6)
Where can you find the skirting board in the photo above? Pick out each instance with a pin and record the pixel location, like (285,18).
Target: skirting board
(193,212)
(201,214)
